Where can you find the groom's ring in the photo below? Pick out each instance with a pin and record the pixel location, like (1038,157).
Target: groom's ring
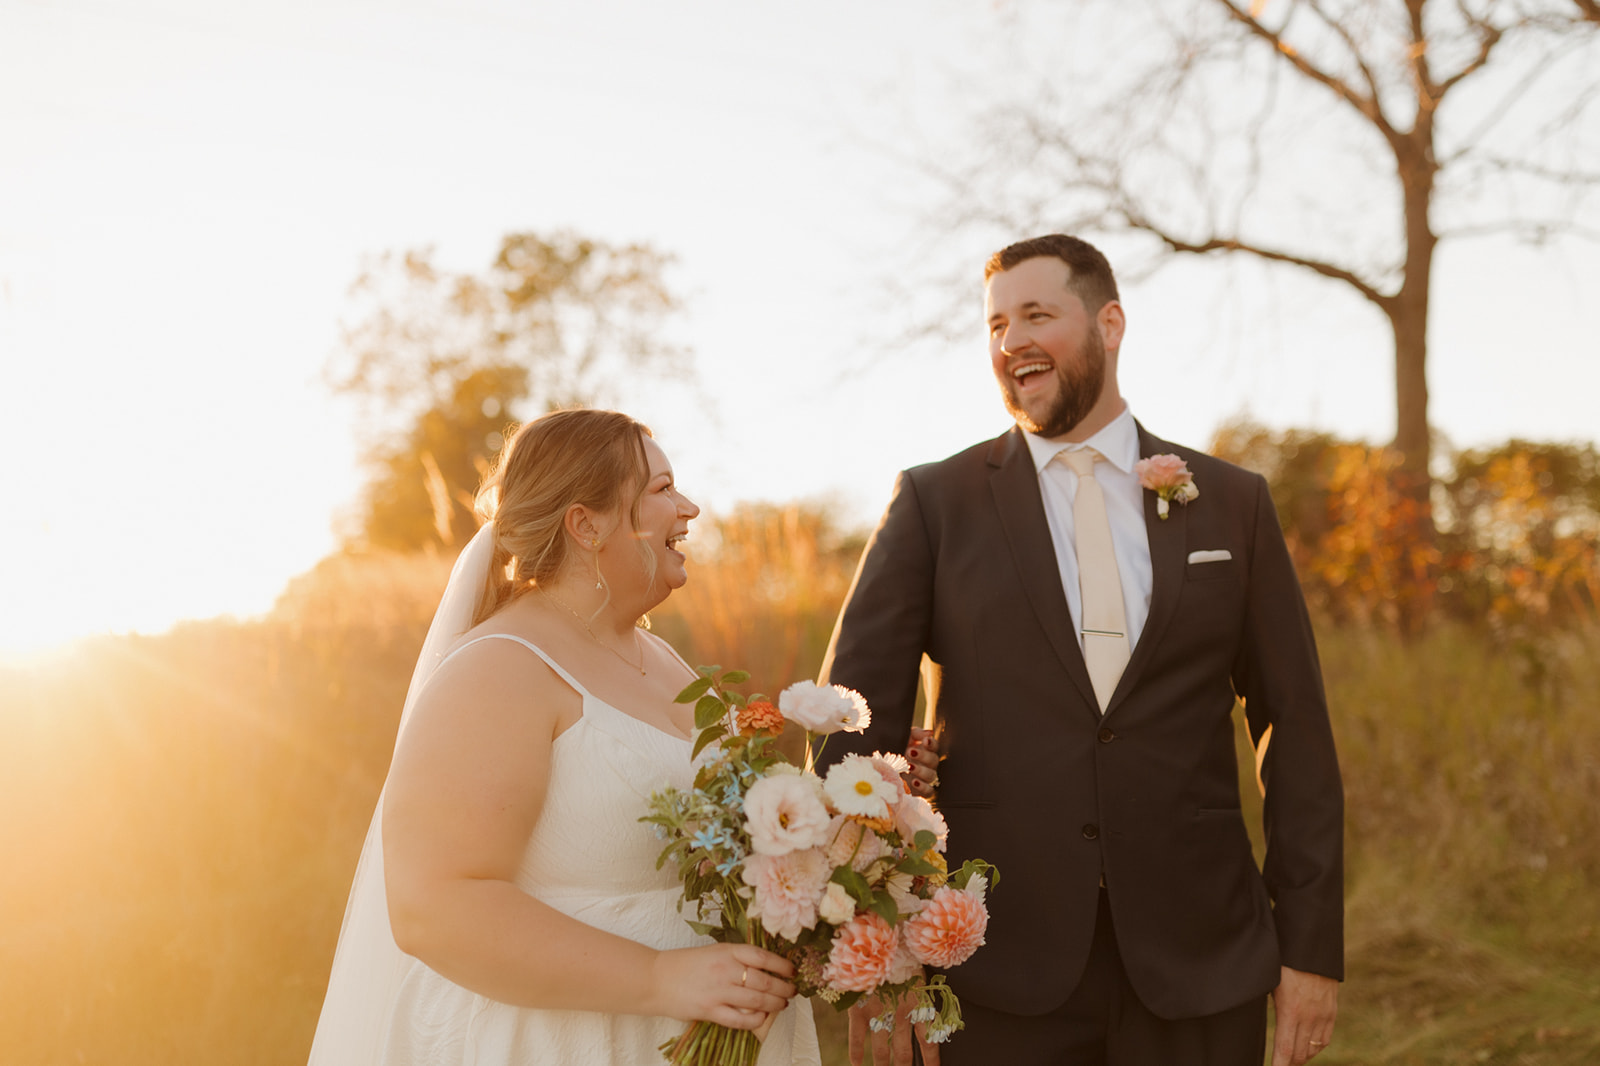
(744,976)
(1318,1043)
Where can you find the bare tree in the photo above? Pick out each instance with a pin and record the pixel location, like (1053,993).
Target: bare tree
(1345,138)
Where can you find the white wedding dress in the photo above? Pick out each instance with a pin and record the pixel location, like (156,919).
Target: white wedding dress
(591,858)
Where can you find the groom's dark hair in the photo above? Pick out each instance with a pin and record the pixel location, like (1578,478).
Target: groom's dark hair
(1090,275)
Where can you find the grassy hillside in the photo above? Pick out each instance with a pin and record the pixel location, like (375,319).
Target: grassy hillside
(183,815)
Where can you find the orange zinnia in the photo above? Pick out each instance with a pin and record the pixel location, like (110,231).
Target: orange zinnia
(759,716)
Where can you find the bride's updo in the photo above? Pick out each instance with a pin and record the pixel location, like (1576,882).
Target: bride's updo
(579,456)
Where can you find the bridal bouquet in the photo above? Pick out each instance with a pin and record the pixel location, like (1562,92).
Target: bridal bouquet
(842,874)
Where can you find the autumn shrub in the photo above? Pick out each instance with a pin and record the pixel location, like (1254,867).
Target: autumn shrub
(1510,543)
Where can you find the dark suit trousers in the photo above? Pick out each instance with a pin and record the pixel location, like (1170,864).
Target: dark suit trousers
(1103,1024)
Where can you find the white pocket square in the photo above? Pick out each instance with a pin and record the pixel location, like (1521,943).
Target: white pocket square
(1216,555)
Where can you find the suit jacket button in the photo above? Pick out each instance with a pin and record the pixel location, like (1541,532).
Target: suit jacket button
(1107,736)
(1091,832)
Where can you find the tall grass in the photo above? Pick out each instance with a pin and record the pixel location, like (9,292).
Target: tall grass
(1473,829)
(182,819)
(182,814)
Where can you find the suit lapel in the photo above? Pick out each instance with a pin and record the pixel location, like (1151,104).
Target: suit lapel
(1015,484)
(1167,563)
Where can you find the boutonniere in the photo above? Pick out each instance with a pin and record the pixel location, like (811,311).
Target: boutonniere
(1169,478)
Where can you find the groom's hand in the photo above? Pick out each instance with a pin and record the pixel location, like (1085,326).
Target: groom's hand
(891,1048)
(1304,1005)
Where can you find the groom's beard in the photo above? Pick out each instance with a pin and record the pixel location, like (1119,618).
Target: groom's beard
(1078,390)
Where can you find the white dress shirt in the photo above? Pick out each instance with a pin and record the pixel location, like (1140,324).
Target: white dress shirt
(1058,485)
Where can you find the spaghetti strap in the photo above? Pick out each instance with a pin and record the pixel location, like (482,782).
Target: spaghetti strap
(551,663)
(674,653)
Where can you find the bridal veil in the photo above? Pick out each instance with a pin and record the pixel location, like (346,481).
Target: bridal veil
(368,966)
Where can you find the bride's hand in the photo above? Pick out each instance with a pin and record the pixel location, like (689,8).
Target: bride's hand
(922,752)
(736,985)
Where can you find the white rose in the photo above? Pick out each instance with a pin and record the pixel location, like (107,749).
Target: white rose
(784,813)
(837,906)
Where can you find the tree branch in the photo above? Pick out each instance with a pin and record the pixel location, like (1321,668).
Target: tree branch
(1488,37)
(1530,230)
(1234,244)
(1366,106)
(1576,179)
(1508,100)
(1349,42)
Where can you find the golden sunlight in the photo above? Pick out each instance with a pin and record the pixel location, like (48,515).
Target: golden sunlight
(58,591)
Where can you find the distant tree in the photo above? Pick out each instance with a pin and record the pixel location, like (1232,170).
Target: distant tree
(1342,138)
(1525,516)
(1296,464)
(443,364)
(422,487)
(1519,538)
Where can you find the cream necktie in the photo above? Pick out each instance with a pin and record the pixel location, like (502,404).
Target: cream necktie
(1104,622)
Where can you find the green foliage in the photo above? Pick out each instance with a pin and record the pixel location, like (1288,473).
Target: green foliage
(442,363)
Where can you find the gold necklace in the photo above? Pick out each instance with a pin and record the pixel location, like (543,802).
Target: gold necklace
(639,666)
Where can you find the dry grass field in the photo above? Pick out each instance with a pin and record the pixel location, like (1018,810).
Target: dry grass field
(182,814)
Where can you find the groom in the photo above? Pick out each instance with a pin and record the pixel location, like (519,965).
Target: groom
(1083,653)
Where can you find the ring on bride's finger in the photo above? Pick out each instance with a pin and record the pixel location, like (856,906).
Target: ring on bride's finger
(1318,1043)
(744,976)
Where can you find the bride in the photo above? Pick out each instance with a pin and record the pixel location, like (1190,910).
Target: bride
(507,907)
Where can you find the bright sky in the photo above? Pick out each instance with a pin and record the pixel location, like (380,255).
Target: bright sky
(187,189)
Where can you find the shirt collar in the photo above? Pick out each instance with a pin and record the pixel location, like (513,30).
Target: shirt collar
(1118,441)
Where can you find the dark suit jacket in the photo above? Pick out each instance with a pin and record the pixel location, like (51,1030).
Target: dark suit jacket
(1035,780)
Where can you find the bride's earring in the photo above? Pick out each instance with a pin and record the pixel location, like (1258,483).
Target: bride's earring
(599,582)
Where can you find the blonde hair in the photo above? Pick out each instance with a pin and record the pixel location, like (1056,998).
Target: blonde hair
(578,456)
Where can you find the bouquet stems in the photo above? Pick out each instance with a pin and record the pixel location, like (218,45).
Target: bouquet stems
(710,1044)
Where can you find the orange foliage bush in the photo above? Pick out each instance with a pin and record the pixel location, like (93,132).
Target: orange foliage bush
(1512,538)
(1374,560)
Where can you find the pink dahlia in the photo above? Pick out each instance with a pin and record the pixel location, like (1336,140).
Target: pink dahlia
(787,890)
(949,929)
(903,966)
(862,953)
